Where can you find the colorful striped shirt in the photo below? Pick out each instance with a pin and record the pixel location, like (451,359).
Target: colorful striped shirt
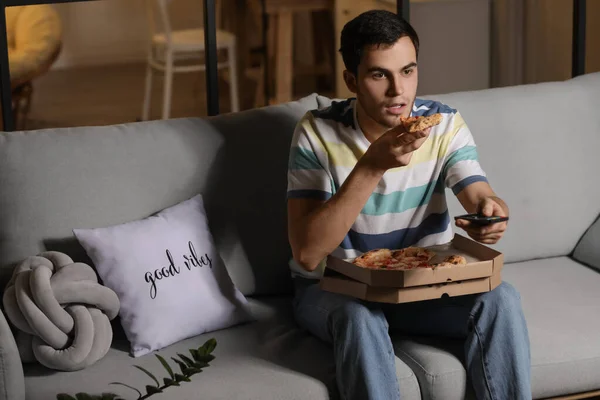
(408,206)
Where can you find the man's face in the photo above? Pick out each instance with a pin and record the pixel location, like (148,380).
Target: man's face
(386,84)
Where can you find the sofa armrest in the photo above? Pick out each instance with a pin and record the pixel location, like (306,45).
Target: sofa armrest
(12,381)
(587,250)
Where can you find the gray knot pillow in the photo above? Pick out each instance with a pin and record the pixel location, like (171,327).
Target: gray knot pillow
(61,312)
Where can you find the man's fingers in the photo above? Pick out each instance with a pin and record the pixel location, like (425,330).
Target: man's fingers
(489,241)
(463,223)
(494,228)
(488,237)
(407,138)
(412,146)
(482,230)
(485,238)
(481,235)
(487,234)
(488,209)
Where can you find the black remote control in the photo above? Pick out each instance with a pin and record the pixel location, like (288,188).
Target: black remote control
(479,219)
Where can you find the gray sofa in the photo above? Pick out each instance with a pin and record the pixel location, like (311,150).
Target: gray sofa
(538,143)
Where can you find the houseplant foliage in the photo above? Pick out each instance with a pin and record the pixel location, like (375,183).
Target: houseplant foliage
(188,366)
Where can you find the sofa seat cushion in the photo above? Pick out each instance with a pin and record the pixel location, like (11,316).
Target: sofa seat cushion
(267,359)
(561,302)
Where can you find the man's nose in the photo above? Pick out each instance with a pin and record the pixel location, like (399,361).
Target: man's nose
(395,88)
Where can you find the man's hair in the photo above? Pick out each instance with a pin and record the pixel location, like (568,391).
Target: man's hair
(375,27)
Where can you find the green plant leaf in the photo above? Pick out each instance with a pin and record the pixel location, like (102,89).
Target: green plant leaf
(182,378)
(166,365)
(210,345)
(153,389)
(200,365)
(83,396)
(110,396)
(170,382)
(205,358)
(127,386)
(148,373)
(181,364)
(192,371)
(194,353)
(186,359)
(64,396)
(201,351)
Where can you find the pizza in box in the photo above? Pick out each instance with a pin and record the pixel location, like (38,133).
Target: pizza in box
(409,258)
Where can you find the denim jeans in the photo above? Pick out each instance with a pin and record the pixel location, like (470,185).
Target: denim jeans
(496,340)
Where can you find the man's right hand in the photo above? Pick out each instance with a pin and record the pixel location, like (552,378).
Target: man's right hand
(394,148)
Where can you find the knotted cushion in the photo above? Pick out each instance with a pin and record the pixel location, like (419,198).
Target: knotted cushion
(61,311)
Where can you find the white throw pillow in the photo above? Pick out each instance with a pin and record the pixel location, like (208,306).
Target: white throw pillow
(168,276)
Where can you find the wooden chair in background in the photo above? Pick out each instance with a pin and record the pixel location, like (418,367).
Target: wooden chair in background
(167,47)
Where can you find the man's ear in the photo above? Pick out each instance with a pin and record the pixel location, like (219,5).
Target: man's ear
(350,80)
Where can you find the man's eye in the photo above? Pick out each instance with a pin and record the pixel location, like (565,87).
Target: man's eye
(378,75)
(407,71)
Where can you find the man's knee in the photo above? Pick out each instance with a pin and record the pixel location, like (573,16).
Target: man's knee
(358,315)
(503,298)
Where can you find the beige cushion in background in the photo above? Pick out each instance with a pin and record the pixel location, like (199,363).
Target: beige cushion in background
(34,39)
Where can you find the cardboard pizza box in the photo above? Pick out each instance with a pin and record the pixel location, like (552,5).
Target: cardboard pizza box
(338,283)
(482,262)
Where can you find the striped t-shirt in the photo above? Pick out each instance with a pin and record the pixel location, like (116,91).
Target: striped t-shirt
(408,206)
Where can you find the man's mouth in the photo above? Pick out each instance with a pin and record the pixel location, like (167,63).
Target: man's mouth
(395,108)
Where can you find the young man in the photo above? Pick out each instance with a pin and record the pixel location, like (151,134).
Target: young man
(358,181)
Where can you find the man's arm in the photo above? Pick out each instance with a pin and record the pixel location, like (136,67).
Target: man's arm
(316,227)
(479,197)
(472,196)
(463,174)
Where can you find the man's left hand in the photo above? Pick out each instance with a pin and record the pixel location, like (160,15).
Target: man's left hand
(488,234)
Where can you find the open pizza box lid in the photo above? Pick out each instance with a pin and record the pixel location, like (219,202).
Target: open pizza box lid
(482,262)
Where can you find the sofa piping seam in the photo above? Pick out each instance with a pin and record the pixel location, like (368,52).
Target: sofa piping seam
(4,386)
(565,362)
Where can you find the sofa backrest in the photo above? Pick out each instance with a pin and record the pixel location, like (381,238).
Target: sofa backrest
(54,180)
(539,145)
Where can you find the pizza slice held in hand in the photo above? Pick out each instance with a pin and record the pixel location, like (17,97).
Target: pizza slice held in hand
(420,123)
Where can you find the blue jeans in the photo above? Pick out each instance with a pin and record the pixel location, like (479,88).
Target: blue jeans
(492,324)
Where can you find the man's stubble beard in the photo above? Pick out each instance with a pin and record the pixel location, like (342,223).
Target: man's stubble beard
(392,121)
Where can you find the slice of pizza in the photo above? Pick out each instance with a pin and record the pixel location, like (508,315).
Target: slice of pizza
(374,258)
(403,259)
(398,265)
(420,123)
(452,261)
(418,253)
(455,259)
(442,264)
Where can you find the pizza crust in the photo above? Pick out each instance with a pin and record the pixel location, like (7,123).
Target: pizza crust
(372,258)
(420,123)
(456,260)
